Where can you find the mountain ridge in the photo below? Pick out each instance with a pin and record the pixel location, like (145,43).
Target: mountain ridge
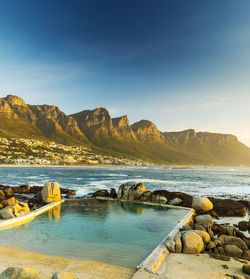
(142,139)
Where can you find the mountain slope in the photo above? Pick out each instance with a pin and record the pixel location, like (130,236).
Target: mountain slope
(116,136)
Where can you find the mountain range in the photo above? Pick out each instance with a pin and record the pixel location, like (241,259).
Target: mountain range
(115,136)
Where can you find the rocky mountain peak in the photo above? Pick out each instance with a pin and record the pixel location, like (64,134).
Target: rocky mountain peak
(13,100)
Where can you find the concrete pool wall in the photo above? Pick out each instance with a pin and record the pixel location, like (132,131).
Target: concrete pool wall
(4,224)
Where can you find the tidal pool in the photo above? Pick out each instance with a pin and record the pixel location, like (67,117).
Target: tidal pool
(114,232)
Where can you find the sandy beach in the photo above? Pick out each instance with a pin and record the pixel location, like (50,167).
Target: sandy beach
(47,265)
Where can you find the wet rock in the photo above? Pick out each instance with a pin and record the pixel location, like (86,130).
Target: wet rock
(244,225)
(19,273)
(228,207)
(192,242)
(205,220)
(62,275)
(14,210)
(246,268)
(101,193)
(201,204)
(113,193)
(175,201)
(51,192)
(2,195)
(232,240)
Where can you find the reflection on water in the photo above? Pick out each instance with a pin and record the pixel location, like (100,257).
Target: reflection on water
(55,212)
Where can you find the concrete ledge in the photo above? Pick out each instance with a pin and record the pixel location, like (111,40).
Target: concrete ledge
(4,224)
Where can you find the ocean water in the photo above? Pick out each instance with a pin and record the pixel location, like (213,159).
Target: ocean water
(220,182)
(118,233)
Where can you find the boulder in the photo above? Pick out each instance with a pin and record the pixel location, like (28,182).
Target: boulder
(113,193)
(201,204)
(186,199)
(14,210)
(192,242)
(170,244)
(8,202)
(246,255)
(175,201)
(204,235)
(199,227)
(178,243)
(62,275)
(51,192)
(244,225)
(246,268)
(187,227)
(232,240)
(101,193)
(2,195)
(8,192)
(205,220)
(19,273)
(233,251)
(131,191)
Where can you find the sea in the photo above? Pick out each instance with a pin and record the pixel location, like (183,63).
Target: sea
(204,181)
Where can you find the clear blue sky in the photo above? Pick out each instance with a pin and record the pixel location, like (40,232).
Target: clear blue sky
(182,64)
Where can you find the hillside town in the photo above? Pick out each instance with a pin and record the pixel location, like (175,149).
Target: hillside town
(22,151)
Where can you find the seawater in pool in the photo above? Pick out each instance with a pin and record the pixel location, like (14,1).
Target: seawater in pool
(119,233)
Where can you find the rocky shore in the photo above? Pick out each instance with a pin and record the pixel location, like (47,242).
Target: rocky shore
(201,234)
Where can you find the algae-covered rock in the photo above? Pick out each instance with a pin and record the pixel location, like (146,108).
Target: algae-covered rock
(51,192)
(19,273)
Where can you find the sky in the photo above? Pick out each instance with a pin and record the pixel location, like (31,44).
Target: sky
(181,64)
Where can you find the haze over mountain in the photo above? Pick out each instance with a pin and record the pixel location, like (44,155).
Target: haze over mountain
(96,128)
